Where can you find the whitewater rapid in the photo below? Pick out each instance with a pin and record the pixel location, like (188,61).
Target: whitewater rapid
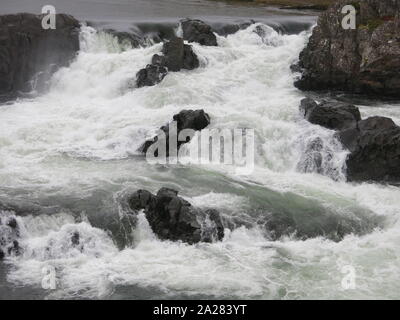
(73,150)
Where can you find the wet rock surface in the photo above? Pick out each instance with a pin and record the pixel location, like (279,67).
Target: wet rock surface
(28,51)
(374,143)
(150,76)
(330,114)
(195,120)
(175,56)
(173,218)
(365,60)
(198,31)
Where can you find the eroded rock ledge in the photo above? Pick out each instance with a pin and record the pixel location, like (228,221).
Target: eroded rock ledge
(365,60)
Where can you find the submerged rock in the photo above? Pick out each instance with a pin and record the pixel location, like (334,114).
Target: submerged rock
(27,50)
(364,60)
(331,115)
(198,31)
(374,146)
(186,119)
(128,39)
(173,218)
(319,223)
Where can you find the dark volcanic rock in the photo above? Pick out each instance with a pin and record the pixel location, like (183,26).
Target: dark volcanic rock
(374,144)
(173,218)
(331,115)
(365,60)
(27,50)
(186,119)
(175,56)
(198,31)
(150,76)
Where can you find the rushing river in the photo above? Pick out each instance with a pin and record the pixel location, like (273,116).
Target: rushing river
(69,155)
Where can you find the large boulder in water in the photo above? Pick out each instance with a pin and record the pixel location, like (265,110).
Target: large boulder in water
(331,115)
(195,120)
(179,55)
(175,56)
(365,60)
(150,76)
(173,218)
(198,31)
(374,146)
(374,143)
(27,50)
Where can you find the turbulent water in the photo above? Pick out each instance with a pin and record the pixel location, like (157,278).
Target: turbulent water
(68,156)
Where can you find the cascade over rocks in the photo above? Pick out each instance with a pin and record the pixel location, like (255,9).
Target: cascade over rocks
(28,51)
(198,31)
(173,218)
(186,119)
(365,60)
(374,143)
(126,38)
(175,56)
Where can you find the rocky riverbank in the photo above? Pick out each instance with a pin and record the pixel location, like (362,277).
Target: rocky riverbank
(29,54)
(365,60)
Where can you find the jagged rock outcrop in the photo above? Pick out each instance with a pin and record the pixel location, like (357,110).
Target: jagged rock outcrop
(9,234)
(27,50)
(329,114)
(195,120)
(173,218)
(176,55)
(365,60)
(374,143)
(198,31)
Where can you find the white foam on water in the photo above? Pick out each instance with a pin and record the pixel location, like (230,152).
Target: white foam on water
(83,133)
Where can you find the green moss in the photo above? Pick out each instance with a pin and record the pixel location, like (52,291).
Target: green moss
(372,24)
